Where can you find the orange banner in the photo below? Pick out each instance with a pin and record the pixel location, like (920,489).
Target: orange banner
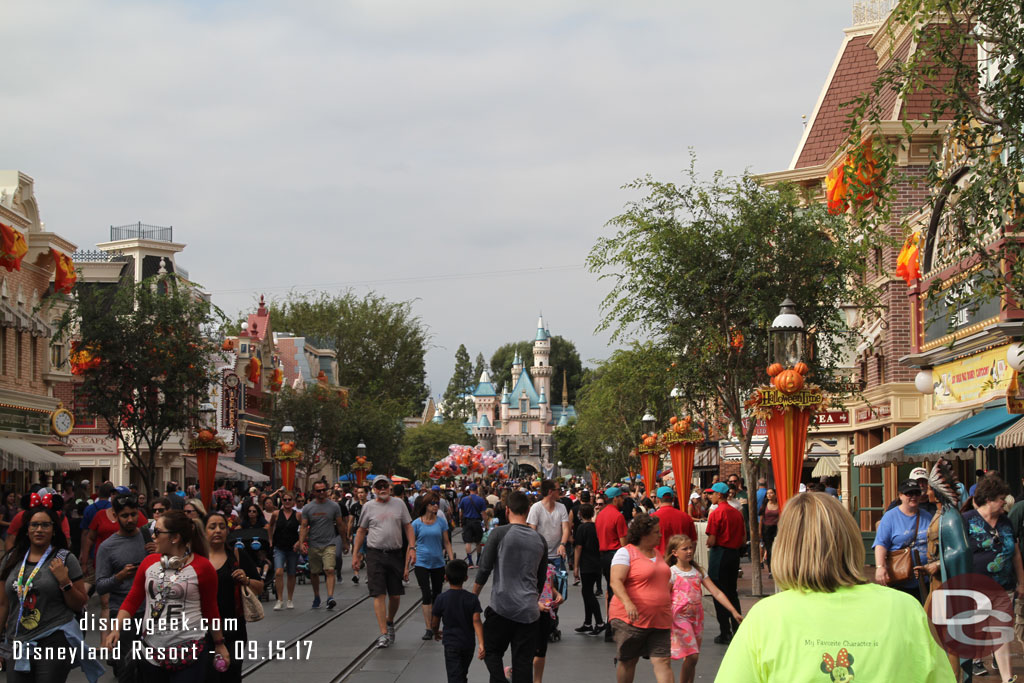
(206,466)
(595,481)
(648,470)
(65,276)
(681,455)
(787,438)
(12,247)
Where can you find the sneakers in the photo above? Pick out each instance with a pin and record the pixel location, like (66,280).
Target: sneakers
(355,578)
(429,635)
(331,602)
(597,630)
(278,605)
(723,639)
(291,605)
(979,668)
(391,631)
(383,641)
(316,602)
(598,593)
(584,629)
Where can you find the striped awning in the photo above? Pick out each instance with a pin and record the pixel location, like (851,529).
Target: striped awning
(828,466)
(17,454)
(892,450)
(244,473)
(1012,437)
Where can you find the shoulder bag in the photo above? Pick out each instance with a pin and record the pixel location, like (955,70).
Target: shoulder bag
(252,608)
(900,563)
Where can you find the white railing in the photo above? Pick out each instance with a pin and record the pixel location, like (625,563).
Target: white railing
(871,11)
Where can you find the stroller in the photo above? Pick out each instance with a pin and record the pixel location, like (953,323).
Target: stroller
(559,580)
(256,543)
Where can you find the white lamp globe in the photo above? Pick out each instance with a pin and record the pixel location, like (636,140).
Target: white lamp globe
(1015,356)
(924,383)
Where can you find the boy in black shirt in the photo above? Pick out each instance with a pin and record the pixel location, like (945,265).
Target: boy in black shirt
(459,610)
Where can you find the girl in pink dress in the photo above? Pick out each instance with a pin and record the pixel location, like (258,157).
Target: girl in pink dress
(687,606)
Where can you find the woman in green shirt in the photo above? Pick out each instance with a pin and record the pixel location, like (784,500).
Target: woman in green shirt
(829,623)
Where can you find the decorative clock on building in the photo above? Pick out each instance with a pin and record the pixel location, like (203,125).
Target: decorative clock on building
(62,422)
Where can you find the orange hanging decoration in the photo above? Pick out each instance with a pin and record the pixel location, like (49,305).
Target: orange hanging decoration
(82,359)
(12,247)
(908,263)
(65,275)
(836,190)
(277,380)
(254,373)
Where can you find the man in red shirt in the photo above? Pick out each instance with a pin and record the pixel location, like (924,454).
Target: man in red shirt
(611,535)
(672,521)
(725,538)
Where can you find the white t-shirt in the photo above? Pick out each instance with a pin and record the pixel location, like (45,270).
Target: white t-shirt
(621,557)
(549,524)
(676,571)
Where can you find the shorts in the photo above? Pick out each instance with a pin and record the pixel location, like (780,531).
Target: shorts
(472,531)
(321,559)
(384,572)
(287,560)
(633,642)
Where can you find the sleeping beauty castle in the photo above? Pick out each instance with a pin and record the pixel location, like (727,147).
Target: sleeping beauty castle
(518,423)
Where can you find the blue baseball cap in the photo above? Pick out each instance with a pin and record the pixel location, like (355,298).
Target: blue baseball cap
(664,491)
(721,488)
(612,492)
(435,487)
(123,490)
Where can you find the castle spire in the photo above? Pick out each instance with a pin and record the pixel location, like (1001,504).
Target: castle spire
(565,390)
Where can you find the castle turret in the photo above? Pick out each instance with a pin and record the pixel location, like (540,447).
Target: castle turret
(484,399)
(541,370)
(505,404)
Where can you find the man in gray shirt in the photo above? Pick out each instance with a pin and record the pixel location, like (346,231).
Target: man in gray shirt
(385,525)
(518,556)
(116,561)
(322,521)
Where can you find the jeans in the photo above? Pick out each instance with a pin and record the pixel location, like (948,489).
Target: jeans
(591,605)
(499,634)
(724,570)
(44,670)
(287,560)
(456,663)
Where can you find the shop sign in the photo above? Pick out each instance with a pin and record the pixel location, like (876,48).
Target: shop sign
(955,309)
(91,444)
(879,412)
(24,421)
(773,398)
(983,376)
(833,417)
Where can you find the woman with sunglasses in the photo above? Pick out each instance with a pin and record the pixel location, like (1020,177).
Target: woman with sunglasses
(432,541)
(178,585)
(43,592)
(284,538)
(904,526)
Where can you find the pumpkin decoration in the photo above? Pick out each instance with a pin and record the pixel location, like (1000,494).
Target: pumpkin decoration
(802,368)
(650,440)
(789,381)
(672,420)
(206,435)
(774,369)
(287,447)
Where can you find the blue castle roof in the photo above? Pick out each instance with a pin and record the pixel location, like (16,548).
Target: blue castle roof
(485,387)
(524,387)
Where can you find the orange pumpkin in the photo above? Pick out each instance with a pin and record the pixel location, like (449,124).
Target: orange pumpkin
(287,447)
(802,368)
(789,381)
(206,435)
(774,369)
(672,420)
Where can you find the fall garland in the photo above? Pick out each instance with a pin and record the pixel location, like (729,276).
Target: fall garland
(207,439)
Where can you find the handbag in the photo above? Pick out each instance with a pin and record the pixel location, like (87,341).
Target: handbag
(900,563)
(252,608)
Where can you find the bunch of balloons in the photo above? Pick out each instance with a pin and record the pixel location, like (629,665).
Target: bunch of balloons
(468,460)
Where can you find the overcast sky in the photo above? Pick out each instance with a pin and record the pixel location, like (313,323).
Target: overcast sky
(465,154)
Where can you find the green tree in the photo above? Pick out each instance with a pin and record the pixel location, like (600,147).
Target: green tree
(154,361)
(319,416)
(458,404)
(962,85)
(694,265)
(428,443)
(569,449)
(564,358)
(611,404)
(381,345)
(479,366)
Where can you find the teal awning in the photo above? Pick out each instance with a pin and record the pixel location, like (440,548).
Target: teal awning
(977,431)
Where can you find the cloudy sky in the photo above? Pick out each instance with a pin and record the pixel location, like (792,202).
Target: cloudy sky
(463,154)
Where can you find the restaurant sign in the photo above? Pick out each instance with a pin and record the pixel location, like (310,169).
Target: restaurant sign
(874,412)
(955,309)
(975,379)
(24,421)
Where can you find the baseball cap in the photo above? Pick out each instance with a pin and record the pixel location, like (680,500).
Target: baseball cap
(381,483)
(612,492)
(664,491)
(910,486)
(919,473)
(720,487)
(123,490)
(694,495)
(435,487)
(472,487)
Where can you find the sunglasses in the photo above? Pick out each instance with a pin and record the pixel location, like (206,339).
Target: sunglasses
(157,532)
(156,509)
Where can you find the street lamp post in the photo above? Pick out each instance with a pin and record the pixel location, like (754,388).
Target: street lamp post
(207,447)
(787,405)
(361,466)
(287,455)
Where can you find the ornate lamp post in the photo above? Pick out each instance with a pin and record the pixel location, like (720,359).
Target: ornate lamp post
(287,455)
(361,466)
(787,405)
(207,446)
(650,451)
(682,439)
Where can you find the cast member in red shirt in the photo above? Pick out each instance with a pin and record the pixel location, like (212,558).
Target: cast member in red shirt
(725,538)
(671,521)
(611,535)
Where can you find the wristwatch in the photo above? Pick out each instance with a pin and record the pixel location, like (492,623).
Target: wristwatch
(67,587)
